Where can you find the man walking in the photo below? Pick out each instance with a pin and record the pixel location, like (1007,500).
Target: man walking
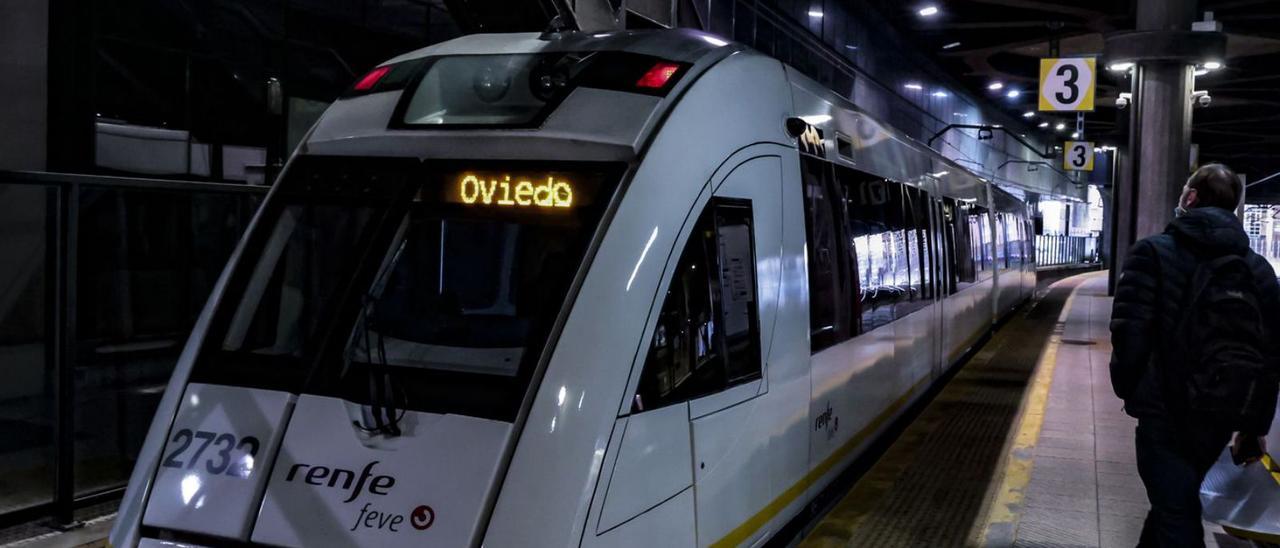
(1194,329)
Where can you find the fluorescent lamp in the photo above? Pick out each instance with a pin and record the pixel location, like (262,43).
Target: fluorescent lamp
(913,85)
(1028,114)
(1044,124)
(1120,67)
(1013,93)
(928,11)
(951,45)
(1213,65)
(995,86)
(1060,126)
(816,14)
(939,94)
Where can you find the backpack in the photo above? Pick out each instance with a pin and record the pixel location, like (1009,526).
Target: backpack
(1220,341)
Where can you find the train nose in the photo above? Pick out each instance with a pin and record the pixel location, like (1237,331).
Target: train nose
(308,475)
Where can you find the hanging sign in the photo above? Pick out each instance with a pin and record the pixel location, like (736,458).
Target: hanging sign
(1077,156)
(1067,84)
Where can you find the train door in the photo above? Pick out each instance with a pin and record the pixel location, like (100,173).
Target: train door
(731,428)
(941,281)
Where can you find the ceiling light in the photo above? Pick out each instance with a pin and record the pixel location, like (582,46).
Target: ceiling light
(851,46)
(995,86)
(1202,72)
(939,94)
(1075,135)
(951,45)
(1044,124)
(1120,67)
(816,14)
(1013,93)
(1029,114)
(1061,126)
(1213,65)
(913,85)
(928,11)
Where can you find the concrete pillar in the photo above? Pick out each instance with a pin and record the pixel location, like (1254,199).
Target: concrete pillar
(1153,168)
(1164,148)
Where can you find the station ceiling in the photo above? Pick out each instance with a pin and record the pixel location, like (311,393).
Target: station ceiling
(1002,40)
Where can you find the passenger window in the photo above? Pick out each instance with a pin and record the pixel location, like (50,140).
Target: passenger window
(707,336)
(827,326)
(961,243)
(886,249)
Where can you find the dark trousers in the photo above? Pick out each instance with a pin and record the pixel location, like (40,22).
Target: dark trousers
(1173,459)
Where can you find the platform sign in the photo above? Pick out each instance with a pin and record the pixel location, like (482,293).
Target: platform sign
(1067,84)
(1077,156)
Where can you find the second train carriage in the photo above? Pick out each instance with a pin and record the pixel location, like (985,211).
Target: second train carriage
(629,289)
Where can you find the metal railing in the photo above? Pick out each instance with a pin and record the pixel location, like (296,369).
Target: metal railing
(1052,251)
(101,280)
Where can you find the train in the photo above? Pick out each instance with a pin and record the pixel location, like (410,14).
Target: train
(635,288)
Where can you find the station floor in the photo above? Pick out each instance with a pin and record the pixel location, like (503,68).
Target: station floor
(1026,446)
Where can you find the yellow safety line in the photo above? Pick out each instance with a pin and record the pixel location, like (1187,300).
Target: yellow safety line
(1019,461)
(1252,535)
(744,531)
(1269,464)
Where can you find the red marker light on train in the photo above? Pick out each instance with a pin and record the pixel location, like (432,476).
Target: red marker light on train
(371,79)
(658,75)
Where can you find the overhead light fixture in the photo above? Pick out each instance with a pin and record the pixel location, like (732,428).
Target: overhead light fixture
(1043,124)
(951,45)
(928,11)
(1213,65)
(851,46)
(816,14)
(1029,114)
(1120,67)
(995,86)
(1013,93)
(939,94)
(1061,126)
(1201,72)
(913,86)
(1075,135)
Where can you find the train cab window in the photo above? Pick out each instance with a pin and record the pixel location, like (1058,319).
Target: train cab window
(828,324)
(707,335)
(373,273)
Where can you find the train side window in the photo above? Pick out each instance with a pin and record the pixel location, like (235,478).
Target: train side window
(827,288)
(707,336)
(1002,242)
(960,232)
(879,231)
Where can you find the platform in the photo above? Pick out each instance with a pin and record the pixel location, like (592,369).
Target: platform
(1026,446)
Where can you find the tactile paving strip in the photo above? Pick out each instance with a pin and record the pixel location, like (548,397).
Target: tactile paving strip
(929,489)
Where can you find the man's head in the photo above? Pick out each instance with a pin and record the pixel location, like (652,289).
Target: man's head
(1213,185)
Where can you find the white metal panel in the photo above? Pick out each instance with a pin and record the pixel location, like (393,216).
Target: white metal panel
(731,470)
(214,467)
(653,464)
(670,524)
(553,474)
(334,487)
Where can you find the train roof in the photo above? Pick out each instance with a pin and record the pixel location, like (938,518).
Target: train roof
(681,45)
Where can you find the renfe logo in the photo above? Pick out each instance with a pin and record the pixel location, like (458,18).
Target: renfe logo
(317,475)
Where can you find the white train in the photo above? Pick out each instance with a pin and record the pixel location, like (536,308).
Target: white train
(627,289)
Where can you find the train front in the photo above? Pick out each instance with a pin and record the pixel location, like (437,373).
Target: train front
(364,369)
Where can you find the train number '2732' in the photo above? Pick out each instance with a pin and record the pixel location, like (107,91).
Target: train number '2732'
(221,460)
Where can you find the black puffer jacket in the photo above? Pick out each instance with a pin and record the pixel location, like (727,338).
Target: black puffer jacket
(1150,296)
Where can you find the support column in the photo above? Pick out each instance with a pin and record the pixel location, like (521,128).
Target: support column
(1163,124)
(1155,165)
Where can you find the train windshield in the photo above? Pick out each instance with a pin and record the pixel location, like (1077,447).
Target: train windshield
(430,288)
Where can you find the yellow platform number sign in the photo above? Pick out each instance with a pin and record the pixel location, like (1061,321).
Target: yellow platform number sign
(1067,84)
(1077,156)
